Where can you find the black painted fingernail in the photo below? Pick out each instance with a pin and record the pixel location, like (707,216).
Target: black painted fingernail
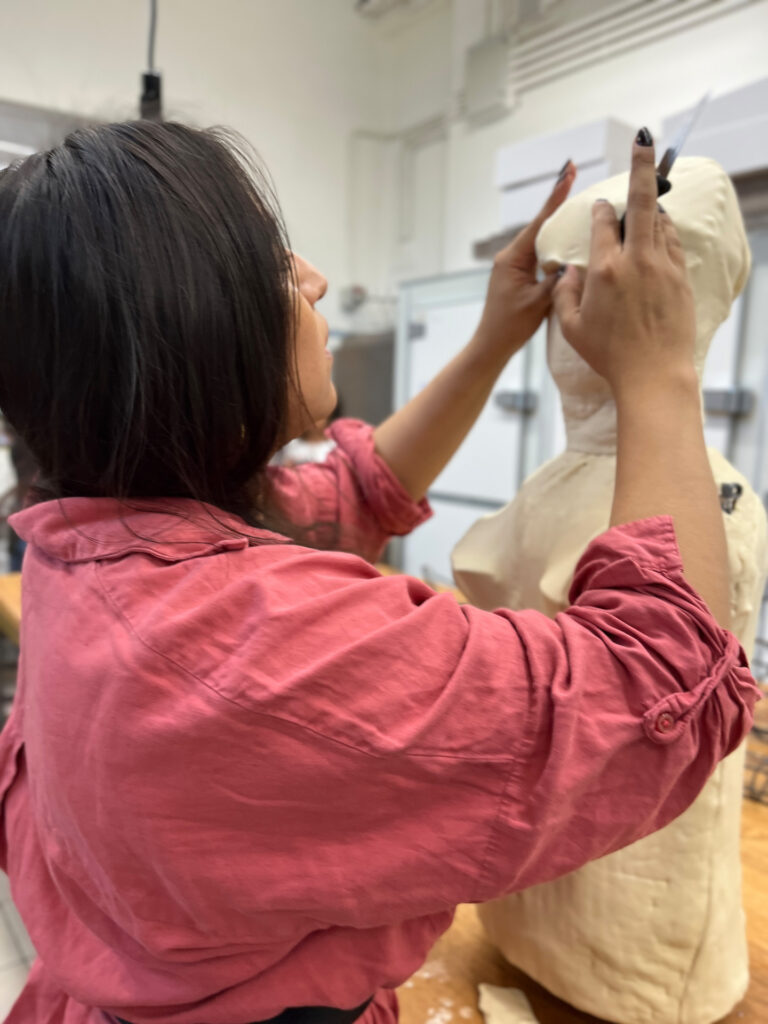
(561,270)
(601,200)
(563,170)
(660,208)
(662,185)
(644,138)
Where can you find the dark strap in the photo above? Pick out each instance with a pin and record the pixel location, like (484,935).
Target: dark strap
(309,1015)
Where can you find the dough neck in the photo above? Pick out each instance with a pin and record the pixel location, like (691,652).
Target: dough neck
(590,427)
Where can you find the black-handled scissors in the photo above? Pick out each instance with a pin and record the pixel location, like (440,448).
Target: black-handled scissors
(671,154)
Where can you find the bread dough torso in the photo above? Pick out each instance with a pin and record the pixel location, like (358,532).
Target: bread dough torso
(652,934)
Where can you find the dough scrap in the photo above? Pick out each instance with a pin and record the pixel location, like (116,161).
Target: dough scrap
(505,1006)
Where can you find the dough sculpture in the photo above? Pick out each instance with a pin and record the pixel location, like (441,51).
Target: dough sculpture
(654,932)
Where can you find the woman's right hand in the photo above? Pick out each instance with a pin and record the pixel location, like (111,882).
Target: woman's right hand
(631,315)
(632,318)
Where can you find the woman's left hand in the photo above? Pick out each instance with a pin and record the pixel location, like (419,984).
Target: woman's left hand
(517,302)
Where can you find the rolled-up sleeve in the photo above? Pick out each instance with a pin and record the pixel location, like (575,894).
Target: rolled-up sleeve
(443,754)
(635,694)
(352,501)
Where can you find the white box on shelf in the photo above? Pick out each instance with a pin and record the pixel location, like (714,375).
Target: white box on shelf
(519,204)
(607,140)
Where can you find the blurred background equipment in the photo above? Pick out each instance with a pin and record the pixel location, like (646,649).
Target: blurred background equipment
(151,101)
(363,368)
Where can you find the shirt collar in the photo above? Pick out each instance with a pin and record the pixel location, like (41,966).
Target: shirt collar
(93,529)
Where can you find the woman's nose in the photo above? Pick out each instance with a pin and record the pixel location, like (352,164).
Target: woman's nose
(311,282)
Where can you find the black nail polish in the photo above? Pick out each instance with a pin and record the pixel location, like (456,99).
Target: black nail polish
(662,185)
(601,200)
(563,169)
(561,270)
(660,208)
(644,138)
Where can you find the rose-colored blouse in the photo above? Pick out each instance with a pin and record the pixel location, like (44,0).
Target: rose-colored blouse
(244,775)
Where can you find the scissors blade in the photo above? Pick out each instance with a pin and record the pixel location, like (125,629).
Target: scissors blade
(671,154)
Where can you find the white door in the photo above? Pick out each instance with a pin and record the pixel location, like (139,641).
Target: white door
(720,378)
(749,448)
(488,464)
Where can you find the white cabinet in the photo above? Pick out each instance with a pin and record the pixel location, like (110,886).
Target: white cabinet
(720,377)
(486,465)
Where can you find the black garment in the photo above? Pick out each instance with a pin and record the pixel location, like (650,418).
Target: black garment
(309,1015)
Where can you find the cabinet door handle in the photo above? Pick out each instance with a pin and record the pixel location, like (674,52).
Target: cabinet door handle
(517,401)
(729,401)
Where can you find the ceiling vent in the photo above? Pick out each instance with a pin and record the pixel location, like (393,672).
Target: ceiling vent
(556,38)
(378,8)
(375,8)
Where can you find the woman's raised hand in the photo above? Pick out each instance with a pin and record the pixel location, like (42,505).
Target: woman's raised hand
(631,315)
(517,302)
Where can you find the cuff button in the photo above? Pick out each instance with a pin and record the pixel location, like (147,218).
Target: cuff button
(665,722)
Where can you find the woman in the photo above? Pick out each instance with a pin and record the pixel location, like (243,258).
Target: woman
(244,774)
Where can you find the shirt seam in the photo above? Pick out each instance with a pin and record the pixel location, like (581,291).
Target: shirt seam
(486,891)
(666,572)
(470,758)
(671,573)
(514,776)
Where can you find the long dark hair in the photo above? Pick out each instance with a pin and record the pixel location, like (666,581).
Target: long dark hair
(146,315)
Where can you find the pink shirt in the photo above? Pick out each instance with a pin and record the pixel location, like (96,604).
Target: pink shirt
(242,776)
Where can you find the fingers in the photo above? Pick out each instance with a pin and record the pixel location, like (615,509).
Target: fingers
(557,196)
(522,246)
(641,204)
(658,230)
(605,232)
(672,241)
(566,300)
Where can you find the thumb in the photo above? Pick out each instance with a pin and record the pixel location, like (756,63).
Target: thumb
(566,299)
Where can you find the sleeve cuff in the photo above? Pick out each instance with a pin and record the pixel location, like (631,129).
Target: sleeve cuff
(396,512)
(628,555)
(645,553)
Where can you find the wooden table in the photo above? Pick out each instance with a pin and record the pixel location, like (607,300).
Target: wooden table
(10,605)
(444,991)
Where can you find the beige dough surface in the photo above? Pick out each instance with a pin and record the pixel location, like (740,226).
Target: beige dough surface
(652,934)
(505,1006)
(705,212)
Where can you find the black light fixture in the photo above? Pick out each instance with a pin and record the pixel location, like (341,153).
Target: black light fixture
(150,104)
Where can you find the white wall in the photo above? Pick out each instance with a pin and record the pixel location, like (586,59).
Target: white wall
(303,78)
(640,88)
(294,76)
